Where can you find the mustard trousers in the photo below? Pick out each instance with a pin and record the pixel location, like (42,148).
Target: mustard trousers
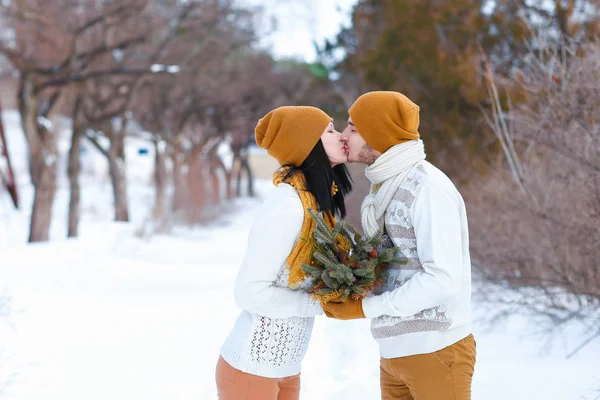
(442,375)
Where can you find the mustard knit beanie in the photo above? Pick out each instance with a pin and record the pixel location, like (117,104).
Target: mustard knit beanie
(385,119)
(290,133)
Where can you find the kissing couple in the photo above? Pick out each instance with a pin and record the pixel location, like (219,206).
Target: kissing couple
(420,314)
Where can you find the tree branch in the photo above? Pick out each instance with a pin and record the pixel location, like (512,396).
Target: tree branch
(94,141)
(88,57)
(101,18)
(15,57)
(78,77)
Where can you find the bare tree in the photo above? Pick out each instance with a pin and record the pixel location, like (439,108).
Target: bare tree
(107,99)
(48,53)
(241,164)
(7,181)
(74,168)
(537,217)
(102,108)
(188,113)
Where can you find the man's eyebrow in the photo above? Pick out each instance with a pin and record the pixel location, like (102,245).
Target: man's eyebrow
(350,123)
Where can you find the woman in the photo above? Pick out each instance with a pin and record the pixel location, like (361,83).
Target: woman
(261,358)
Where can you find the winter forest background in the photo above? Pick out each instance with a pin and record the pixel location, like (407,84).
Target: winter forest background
(129,177)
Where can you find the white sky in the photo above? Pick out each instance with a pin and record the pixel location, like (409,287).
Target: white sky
(301,22)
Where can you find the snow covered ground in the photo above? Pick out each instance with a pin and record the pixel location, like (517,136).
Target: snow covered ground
(115,316)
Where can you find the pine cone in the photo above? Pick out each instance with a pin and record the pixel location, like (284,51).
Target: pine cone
(373,254)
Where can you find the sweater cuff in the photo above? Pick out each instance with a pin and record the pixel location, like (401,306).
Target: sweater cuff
(370,307)
(311,307)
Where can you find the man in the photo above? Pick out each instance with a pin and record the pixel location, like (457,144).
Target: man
(421,315)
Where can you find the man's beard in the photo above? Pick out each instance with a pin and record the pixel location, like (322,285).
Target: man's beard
(367,155)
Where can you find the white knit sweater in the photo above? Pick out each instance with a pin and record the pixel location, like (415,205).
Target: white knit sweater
(425,304)
(271,335)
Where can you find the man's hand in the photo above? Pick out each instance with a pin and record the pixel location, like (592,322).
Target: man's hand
(349,309)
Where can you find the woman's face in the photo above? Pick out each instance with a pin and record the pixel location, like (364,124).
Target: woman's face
(334,147)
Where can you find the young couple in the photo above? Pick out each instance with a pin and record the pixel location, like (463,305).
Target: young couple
(420,316)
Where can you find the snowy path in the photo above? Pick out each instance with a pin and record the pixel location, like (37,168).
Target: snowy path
(114,317)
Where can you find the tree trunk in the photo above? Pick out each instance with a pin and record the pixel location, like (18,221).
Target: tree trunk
(116,167)
(216,164)
(10,183)
(45,190)
(160,180)
(215,196)
(249,175)
(179,181)
(228,188)
(244,166)
(43,173)
(238,183)
(237,172)
(73,170)
(117,170)
(42,162)
(196,184)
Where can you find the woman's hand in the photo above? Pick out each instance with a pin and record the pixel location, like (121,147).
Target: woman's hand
(344,310)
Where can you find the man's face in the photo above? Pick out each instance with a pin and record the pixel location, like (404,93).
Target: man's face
(355,146)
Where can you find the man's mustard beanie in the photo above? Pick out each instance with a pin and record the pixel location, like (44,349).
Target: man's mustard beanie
(385,119)
(290,133)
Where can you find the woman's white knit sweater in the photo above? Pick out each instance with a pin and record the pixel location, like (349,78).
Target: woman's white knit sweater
(271,335)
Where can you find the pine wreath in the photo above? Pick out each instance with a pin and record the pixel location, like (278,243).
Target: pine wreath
(344,263)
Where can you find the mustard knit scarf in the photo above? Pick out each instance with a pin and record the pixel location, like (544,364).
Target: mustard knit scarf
(302,252)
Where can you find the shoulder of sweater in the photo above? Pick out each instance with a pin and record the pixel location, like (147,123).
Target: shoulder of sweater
(283,199)
(439,184)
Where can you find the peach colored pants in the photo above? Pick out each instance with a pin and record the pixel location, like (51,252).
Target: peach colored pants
(445,374)
(233,384)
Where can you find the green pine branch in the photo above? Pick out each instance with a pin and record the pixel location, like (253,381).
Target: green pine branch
(349,271)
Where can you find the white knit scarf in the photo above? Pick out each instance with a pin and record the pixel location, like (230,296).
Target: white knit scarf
(389,171)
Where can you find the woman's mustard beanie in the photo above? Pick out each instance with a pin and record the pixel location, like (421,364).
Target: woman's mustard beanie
(290,133)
